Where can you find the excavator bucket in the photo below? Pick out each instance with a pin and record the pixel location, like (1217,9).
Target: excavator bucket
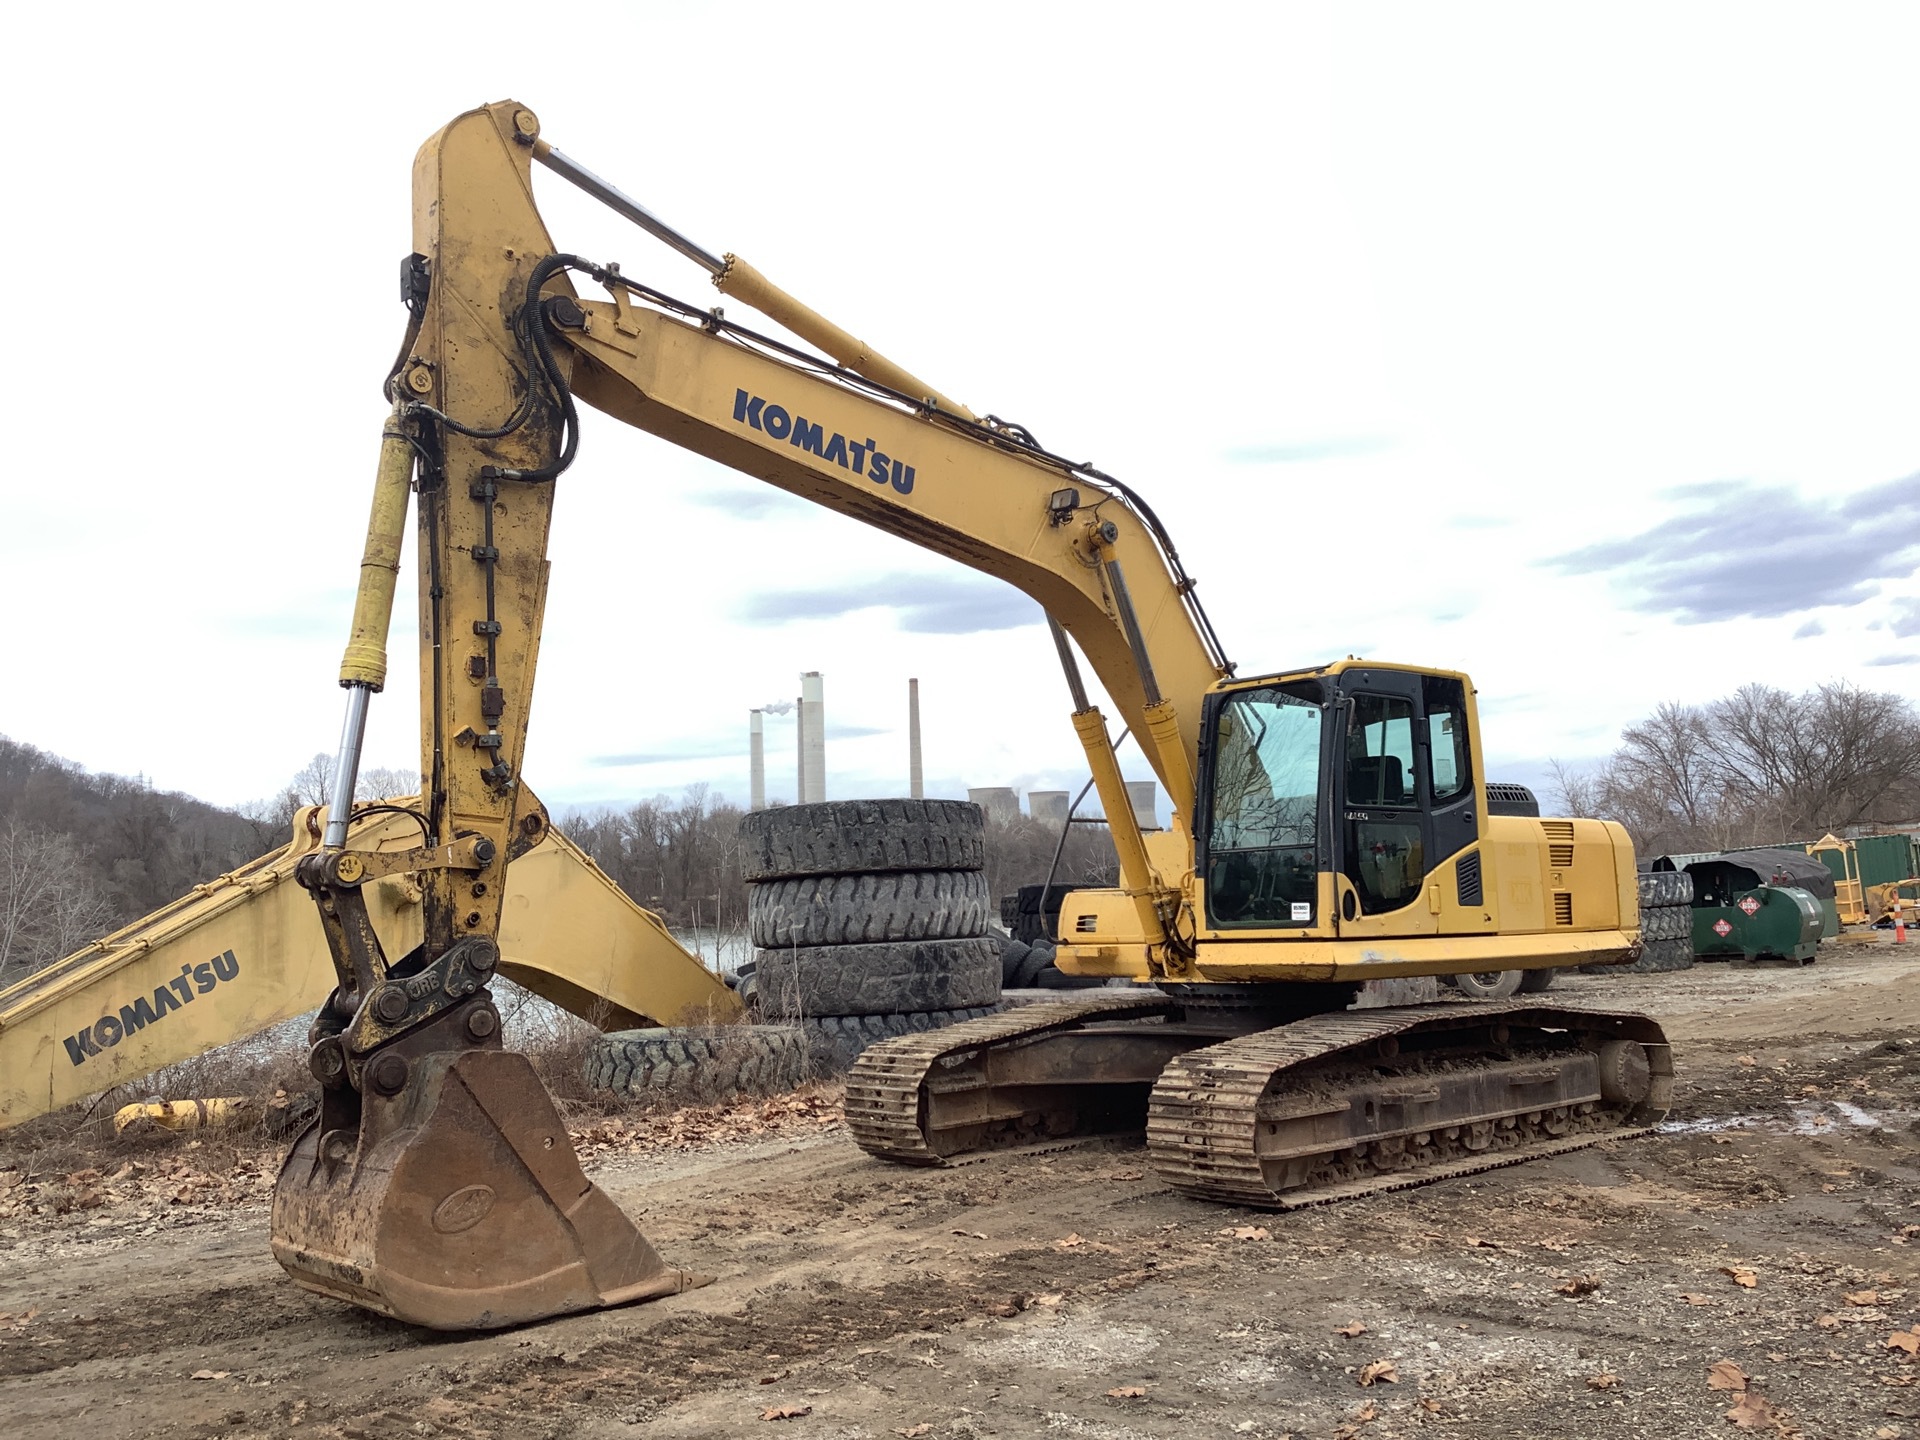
(457,1202)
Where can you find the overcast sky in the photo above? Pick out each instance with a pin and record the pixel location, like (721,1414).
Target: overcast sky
(1574,347)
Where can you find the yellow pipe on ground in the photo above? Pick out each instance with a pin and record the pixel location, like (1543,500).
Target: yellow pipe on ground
(181,1114)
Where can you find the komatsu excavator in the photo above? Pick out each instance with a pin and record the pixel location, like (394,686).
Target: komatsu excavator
(1332,825)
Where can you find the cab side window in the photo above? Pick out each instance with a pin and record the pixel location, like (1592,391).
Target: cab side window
(1385,857)
(1446,707)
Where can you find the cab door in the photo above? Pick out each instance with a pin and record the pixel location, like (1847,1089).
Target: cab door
(1404,796)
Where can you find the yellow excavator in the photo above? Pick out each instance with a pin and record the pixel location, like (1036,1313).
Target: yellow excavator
(1332,825)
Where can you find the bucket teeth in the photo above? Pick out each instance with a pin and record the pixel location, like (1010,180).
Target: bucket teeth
(459,1204)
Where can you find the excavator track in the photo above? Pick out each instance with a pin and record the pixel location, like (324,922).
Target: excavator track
(887,1102)
(1340,1106)
(1317,1110)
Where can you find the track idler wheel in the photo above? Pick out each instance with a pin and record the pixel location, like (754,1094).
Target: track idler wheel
(456,1202)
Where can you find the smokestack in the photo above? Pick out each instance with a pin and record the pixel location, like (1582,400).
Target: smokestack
(1000,802)
(915,787)
(756,760)
(1144,795)
(800,756)
(1048,805)
(813,743)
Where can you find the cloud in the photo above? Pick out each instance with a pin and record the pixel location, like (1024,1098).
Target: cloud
(1338,447)
(921,604)
(1906,617)
(763,502)
(1809,630)
(699,747)
(1894,660)
(1738,549)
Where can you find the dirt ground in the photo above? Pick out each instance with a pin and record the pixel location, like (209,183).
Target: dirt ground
(1773,1225)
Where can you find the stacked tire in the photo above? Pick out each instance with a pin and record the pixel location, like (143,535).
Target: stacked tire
(703,1065)
(869,920)
(1030,966)
(1666,925)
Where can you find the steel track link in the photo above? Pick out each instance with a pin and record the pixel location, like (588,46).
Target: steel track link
(883,1110)
(1203,1118)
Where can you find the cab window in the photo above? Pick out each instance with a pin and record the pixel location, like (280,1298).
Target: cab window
(1385,854)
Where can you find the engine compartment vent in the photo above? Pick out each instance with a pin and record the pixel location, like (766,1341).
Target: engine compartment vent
(1508,799)
(1559,842)
(1085,924)
(1563,907)
(1466,876)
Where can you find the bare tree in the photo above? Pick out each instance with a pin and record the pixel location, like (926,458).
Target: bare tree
(1815,762)
(50,905)
(1761,765)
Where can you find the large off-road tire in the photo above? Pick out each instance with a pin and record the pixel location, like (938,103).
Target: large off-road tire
(901,975)
(1665,887)
(834,1042)
(705,1064)
(1486,984)
(1026,975)
(1666,922)
(1532,982)
(861,837)
(865,909)
(1012,955)
(1664,955)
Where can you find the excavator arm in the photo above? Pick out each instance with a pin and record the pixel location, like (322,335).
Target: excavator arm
(435,1184)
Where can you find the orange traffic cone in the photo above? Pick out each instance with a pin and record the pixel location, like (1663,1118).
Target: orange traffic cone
(1899,930)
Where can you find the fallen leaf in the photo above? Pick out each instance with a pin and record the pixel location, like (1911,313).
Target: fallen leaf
(1579,1285)
(1691,1299)
(1127,1175)
(20,1321)
(1127,1392)
(1356,1328)
(1741,1276)
(1748,1060)
(1432,1407)
(1049,1301)
(1602,1382)
(1721,1139)
(785,1412)
(1827,1322)
(1752,1412)
(1367,1412)
(1864,1297)
(1380,1372)
(1247,1232)
(972,1234)
(1725,1375)
(912,1430)
(210,1374)
(1070,1242)
(1907,1340)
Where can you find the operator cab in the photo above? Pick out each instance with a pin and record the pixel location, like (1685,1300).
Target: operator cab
(1361,770)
